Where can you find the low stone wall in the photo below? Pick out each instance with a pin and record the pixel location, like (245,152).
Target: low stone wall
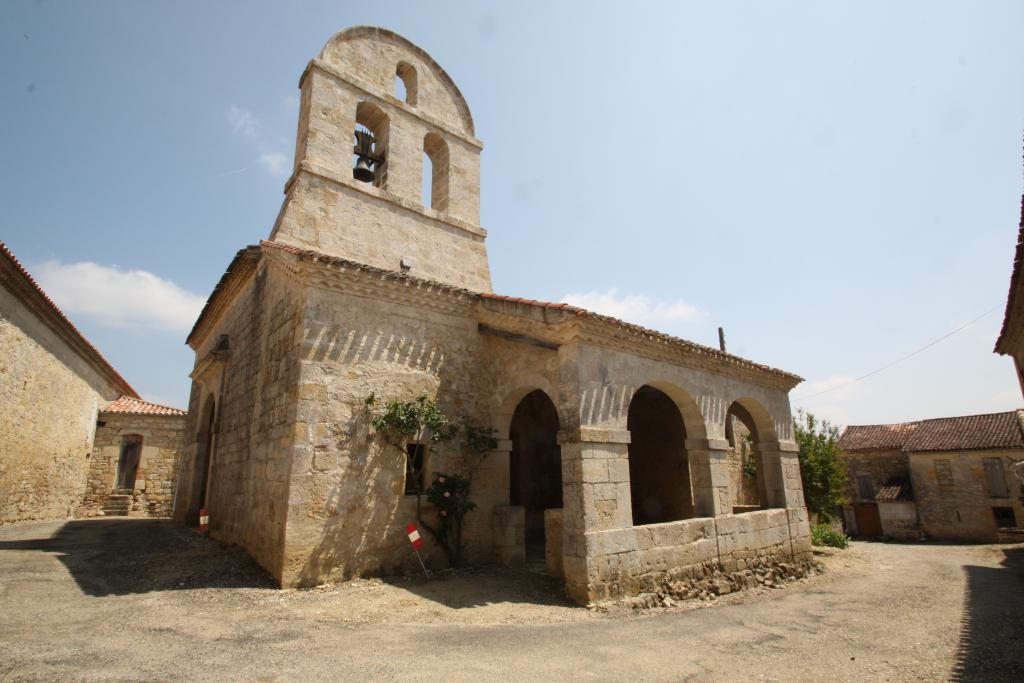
(642,559)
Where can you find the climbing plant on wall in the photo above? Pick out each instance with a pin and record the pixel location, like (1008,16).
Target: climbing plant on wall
(401,422)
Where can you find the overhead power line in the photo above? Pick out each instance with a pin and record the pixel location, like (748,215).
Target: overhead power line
(901,359)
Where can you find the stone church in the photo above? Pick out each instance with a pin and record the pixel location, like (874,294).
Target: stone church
(615,441)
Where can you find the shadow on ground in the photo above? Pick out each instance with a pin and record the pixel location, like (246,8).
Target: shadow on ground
(488,585)
(124,556)
(992,627)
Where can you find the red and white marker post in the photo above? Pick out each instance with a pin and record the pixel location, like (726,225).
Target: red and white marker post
(204,521)
(417,542)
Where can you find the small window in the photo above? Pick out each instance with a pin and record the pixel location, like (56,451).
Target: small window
(995,478)
(415,460)
(943,473)
(865,487)
(1004,517)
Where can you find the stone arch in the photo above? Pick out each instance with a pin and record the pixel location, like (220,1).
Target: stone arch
(686,404)
(748,426)
(436,150)
(371,118)
(535,463)
(502,418)
(335,46)
(659,465)
(406,73)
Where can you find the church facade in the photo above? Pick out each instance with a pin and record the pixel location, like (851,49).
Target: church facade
(614,441)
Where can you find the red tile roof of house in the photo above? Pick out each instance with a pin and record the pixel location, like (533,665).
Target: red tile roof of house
(126,405)
(52,315)
(967,433)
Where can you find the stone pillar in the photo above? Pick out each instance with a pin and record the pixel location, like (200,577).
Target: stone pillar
(595,497)
(510,535)
(709,476)
(781,467)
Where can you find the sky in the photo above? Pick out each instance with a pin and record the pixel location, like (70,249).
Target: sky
(836,184)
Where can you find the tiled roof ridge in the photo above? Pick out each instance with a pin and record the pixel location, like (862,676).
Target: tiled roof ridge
(97,356)
(982,431)
(1015,286)
(939,419)
(568,308)
(137,406)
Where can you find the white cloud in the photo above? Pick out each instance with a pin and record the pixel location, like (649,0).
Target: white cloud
(275,163)
(636,308)
(119,298)
(242,122)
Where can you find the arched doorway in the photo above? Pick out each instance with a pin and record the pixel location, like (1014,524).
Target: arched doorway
(659,471)
(535,465)
(204,455)
(746,473)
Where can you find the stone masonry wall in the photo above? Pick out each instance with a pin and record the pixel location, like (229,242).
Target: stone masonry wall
(643,558)
(880,465)
(958,506)
(155,478)
(347,508)
(50,399)
(255,393)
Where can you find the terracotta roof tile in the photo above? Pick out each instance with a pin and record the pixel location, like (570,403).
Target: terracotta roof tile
(134,406)
(69,326)
(969,432)
(895,491)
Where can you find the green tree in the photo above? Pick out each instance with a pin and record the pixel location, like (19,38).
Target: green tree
(822,470)
(449,494)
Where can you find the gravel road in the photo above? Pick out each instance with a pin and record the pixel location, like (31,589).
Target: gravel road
(145,600)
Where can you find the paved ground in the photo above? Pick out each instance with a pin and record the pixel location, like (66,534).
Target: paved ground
(142,599)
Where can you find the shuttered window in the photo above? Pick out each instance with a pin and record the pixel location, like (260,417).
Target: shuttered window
(865,487)
(995,478)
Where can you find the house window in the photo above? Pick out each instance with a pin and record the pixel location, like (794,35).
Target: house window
(943,473)
(865,487)
(1004,517)
(415,461)
(995,478)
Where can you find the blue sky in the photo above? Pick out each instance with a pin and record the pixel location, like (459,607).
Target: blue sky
(837,184)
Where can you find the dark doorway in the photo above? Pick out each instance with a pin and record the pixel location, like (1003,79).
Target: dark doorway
(204,456)
(535,464)
(659,469)
(128,463)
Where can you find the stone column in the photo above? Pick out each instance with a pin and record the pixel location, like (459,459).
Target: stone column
(508,524)
(595,497)
(781,467)
(709,476)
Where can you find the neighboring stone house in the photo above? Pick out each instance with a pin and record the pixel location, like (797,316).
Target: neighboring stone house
(54,386)
(134,459)
(613,457)
(1011,337)
(945,479)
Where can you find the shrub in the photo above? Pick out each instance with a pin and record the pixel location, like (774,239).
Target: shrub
(823,534)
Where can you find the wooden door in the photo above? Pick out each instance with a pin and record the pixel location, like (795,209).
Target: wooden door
(869,524)
(128,463)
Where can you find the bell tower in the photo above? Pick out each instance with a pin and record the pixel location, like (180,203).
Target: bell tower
(358,189)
